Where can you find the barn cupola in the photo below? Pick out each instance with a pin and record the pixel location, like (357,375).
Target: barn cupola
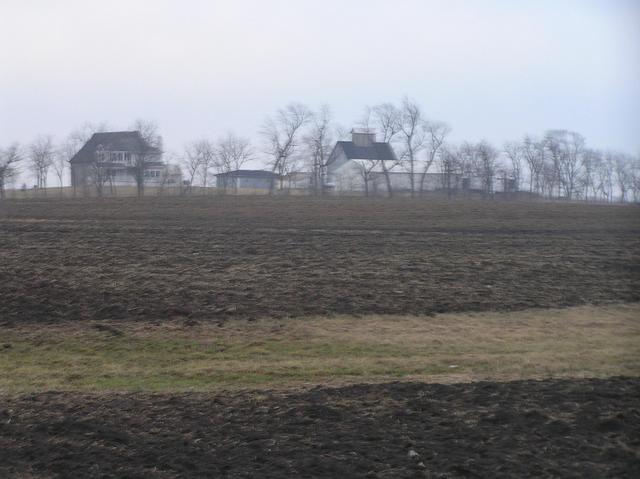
(363,136)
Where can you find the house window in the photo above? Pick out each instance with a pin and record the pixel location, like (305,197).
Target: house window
(127,157)
(117,156)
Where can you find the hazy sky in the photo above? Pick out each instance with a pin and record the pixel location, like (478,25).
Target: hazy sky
(492,69)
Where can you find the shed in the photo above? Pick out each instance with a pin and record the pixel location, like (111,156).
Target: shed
(247,180)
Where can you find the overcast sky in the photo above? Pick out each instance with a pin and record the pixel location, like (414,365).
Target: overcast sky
(492,69)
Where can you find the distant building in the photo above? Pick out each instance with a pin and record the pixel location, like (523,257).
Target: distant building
(364,165)
(359,164)
(108,159)
(239,181)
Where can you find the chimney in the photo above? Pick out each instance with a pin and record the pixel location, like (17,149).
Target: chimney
(363,136)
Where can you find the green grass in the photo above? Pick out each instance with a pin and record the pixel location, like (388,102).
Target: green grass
(156,363)
(583,341)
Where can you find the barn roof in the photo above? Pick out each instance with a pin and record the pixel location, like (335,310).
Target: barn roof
(111,141)
(376,151)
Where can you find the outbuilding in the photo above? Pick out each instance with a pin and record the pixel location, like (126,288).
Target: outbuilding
(247,181)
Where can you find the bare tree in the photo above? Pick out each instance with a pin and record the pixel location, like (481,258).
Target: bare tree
(281,134)
(486,165)
(414,137)
(148,130)
(148,151)
(170,172)
(622,165)
(573,162)
(319,143)
(436,135)
(199,161)
(450,168)
(99,173)
(604,177)
(206,151)
(367,168)
(191,162)
(467,159)
(634,171)
(60,163)
(566,149)
(533,152)
(231,153)
(83,133)
(41,155)
(590,160)
(513,152)
(386,119)
(10,158)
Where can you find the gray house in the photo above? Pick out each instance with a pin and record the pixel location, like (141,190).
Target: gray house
(110,159)
(238,181)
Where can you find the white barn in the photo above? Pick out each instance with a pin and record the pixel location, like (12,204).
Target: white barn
(358,165)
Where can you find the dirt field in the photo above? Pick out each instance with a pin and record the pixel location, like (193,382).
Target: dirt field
(196,337)
(580,428)
(250,257)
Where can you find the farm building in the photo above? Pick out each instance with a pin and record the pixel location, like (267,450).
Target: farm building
(110,158)
(248,181)
(357,165)
(364,165)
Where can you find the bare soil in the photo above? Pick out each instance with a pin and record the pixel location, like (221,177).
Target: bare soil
(221,258)
(554,428)
(190,262)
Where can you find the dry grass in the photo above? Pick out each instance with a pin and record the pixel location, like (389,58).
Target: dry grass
(583,341)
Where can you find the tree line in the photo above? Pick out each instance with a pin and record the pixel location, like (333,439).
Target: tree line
(553,164)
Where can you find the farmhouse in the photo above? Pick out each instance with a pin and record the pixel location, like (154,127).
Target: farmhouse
(110,158)
(238,181)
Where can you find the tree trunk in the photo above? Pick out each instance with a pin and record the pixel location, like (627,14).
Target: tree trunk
(423,178)
(387,180)
(412,179)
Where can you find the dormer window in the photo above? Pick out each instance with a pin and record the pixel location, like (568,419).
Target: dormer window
(118,156)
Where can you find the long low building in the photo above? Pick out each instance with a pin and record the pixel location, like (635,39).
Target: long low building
(237,181)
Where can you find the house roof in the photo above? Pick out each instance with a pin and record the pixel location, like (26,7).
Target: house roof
(249,174)
(377,151)
(110,141)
